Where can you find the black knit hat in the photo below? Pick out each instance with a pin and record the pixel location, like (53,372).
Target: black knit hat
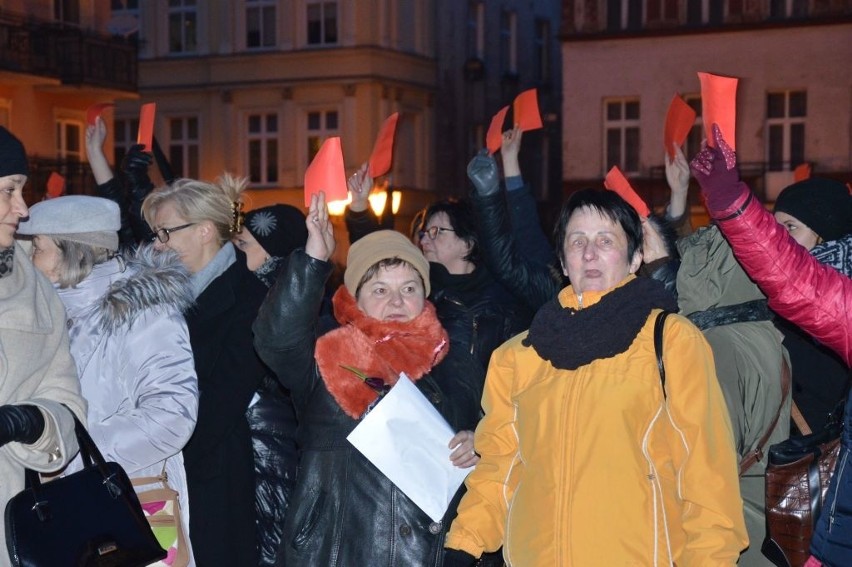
(279,229)
(824,205)
(13,157)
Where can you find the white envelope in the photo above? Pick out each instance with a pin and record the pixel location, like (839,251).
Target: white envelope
(406,438)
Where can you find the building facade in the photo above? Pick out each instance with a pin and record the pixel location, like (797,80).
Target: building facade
(624,60)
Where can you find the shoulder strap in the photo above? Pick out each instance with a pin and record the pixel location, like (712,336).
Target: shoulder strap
(659,324)
(757,453)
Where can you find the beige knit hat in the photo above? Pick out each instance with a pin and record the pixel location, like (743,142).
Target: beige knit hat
(378,246)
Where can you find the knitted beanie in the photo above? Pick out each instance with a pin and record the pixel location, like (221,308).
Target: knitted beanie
(13,157)
(78,218)
(824,205)
(279,229)
(378,246)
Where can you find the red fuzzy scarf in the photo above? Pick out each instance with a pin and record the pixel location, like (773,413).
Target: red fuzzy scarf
(377,348)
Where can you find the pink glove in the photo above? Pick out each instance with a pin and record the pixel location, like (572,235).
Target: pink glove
(715,170)
(812,562)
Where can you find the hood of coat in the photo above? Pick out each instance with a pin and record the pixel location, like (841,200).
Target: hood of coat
(118,291)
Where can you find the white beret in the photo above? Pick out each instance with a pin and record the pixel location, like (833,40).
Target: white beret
(80,218)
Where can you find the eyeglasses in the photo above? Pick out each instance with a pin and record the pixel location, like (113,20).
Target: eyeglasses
(163,234)
(434,231)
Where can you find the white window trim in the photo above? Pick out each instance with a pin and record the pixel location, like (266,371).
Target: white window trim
(185,143)
(324,132)
(243,15)
(621,124)
(786,122)
(263,136)
(304,26)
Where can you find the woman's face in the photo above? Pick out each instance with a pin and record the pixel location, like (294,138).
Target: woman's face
(446,248)
(255,253)
(595,252)
(393,294)
(800,232)
(12,207)
(46,257)
(184,241)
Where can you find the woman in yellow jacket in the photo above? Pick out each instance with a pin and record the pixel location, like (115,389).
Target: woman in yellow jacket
(588,458)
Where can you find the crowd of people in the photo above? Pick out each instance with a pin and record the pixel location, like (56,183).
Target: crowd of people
(612,396)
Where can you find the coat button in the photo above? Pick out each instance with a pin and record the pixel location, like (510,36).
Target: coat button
(435,528)
(435,399)
(405,530)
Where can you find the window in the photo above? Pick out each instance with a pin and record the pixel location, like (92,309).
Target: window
(67,11)
(322,22)
(696,134)
(183,147)
(124,136)
(661,11)
(699,12)
(183,26)
(621,133)
(624,15)
(788,8)
(785,126)
(69,140)
(260,24)
(509,42)
(263,148)
(321,125)
(124,19)
(542,50)
(476,29)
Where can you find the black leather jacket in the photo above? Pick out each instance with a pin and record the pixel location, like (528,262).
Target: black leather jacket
(343,511)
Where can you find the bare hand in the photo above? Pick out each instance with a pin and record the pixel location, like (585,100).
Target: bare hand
(653,246)
(360,183)
(321,243)
(95,136)
(509,149)
(463,455)
(677,172)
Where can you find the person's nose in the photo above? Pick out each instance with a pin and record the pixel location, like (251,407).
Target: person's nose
(19,206)
(590,251)
(396,298)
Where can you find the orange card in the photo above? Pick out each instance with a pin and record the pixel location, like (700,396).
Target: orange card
(526,112)
(145,134)
(802,172)
(96,110)
(326,173)
(719,105)
(382,156)
(679,121)
(55,185)
(494,136)
(615,181)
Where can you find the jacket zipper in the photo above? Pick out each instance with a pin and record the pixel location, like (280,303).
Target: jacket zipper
(837,490)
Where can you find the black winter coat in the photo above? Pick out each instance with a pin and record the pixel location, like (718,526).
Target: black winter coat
(345,512)
(218,456)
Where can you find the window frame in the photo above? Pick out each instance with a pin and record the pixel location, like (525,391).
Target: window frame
(186,144)
(623,125)
(788,125)
(269,147)
(62,123)
(186,7)
(323,42)
(261,6)
(322,133)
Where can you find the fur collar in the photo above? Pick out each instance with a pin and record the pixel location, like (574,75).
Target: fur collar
(378,348)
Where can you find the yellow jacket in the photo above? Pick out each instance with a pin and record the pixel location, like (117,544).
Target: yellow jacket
(594,467)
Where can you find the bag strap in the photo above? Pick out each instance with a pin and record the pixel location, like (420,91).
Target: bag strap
(799,420)
(757,453)
(659,324)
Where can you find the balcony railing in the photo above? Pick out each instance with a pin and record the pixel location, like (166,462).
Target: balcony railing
(74,56)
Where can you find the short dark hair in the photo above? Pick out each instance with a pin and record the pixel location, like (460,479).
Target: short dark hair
(607,203)
(462,221)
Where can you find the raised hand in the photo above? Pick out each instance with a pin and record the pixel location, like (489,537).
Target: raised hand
(360,183)
(677,176)
(715,170)
(321,243)
(483,173)
(509,149)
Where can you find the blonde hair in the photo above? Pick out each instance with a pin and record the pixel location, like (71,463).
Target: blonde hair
(77,260)
(198,201)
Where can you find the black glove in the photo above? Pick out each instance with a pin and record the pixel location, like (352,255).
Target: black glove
(482,172)
(114,191)
(135,166)
(23,424)
(458,558)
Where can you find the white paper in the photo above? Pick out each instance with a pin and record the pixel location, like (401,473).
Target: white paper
(406,438)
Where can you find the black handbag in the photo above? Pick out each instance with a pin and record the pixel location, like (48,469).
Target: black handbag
(91,518)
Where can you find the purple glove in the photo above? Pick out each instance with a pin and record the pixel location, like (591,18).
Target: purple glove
(715,170)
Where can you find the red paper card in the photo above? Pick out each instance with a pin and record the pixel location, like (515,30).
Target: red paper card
(145,134)
(615,181)
(326,173)
(679,121)
(802,172)
(96,110)
(526,112)
(719,106)
(382,156)
(494,136)
(55,185)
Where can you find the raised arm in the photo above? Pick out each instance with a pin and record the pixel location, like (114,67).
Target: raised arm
(359,218)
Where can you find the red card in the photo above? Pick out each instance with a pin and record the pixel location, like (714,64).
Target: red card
(145,134)
(494,136)
(615,181)
(526,111)
(96,110)
(326,173)
(802,172)
(719,105)
(55,185)
(679,121)
(382,156)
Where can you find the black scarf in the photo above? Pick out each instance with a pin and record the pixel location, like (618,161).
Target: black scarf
(7,260)
(570,338)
